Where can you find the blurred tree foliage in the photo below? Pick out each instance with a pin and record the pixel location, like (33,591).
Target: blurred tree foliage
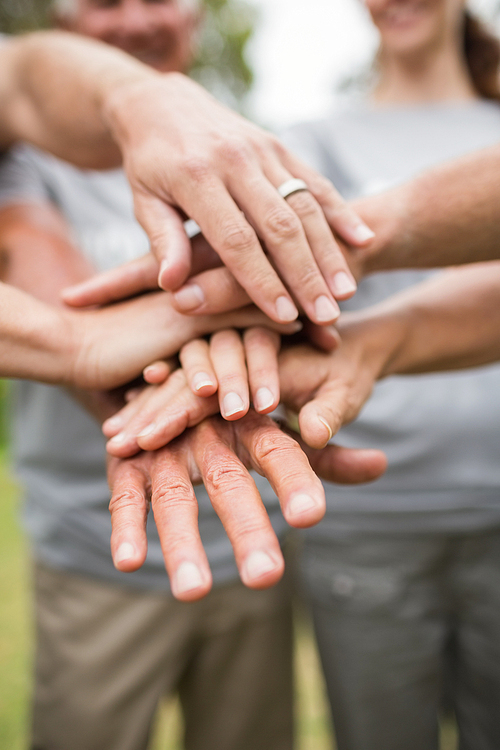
(220,66)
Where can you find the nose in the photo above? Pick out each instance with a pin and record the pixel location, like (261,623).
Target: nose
(135,19)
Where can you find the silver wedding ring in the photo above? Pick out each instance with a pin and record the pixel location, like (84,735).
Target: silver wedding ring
(291,186)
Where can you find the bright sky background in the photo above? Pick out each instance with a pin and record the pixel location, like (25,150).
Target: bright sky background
(302,49)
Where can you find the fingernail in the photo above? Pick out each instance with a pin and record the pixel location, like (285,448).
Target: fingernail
(257,564)
(164,268)
(124,552)
(147,430)
(189,297)
(201,380)
(263,399)
(286,310)
(325,309)
(362,233)
(323,421)
(118,439)
(113,423)
(186,578)
(231,404)
(343,284)
(300,503)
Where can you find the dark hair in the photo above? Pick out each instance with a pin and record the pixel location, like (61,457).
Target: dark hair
(482,53)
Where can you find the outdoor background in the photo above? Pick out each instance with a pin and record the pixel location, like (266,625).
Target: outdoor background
(280,61)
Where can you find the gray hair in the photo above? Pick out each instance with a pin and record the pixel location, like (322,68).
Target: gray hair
(65,8)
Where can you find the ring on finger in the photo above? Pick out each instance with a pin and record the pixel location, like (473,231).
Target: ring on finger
(291,186)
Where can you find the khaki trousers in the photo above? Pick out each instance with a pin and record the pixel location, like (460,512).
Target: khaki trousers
(105,656)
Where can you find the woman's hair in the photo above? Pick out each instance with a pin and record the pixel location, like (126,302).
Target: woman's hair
(482,53)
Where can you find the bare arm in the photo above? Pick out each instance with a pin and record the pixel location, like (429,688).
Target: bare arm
(182,149)
(94,348)
(446,216)
(450,322)
(54,90)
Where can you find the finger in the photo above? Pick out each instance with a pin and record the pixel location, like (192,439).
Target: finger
(197,365)
(299,490)
(323,416)
(326,338)
(128,506)
(142,413)
(334,463)
(286,242)
(215,291)
(175,510)
(118,421)
(184,410)
(158,372)
(240,250)
(326,251)
(241,318)
(132,278)
(238,504)
(261,353)
(169,242)
(228,359)
(339,215)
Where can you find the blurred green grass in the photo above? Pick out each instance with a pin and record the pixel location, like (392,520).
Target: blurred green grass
(313,727)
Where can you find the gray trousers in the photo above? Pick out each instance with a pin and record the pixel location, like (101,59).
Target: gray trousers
(405,623)
(106,655)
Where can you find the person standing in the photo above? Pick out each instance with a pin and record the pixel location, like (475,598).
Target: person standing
(403,575)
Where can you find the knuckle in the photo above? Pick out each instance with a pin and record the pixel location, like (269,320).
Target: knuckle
(324,191)
(236,152)
(309,276)
(283,224)
(272,446)
(304,204)
(126,500)
(177,492)
(225,475)
(195,167)
(237,238)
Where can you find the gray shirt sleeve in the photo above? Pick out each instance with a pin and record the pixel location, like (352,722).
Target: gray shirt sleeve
(20,179)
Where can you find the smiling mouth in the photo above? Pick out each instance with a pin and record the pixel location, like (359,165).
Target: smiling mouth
(403,14)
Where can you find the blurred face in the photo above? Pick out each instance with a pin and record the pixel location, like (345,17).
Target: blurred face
(407,26)
(158,32)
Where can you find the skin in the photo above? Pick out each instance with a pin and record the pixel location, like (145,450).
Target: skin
(419,47)
(449,322)
(160,34)
(211,451)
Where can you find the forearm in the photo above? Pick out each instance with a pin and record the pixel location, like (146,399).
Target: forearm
(36,341)
(446,216)
(63,107)
(450,322)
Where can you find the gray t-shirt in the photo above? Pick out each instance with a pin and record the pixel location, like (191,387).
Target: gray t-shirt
(58,449)
(440,432)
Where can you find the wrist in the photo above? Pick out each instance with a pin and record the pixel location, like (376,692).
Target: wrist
(388,215)
(124,99)
(375,337)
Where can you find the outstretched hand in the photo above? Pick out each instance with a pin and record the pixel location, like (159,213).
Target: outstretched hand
(218,453)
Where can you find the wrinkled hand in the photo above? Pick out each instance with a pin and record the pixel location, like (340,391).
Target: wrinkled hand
(217,452)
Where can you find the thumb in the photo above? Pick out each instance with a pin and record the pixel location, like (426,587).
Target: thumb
(169,241)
